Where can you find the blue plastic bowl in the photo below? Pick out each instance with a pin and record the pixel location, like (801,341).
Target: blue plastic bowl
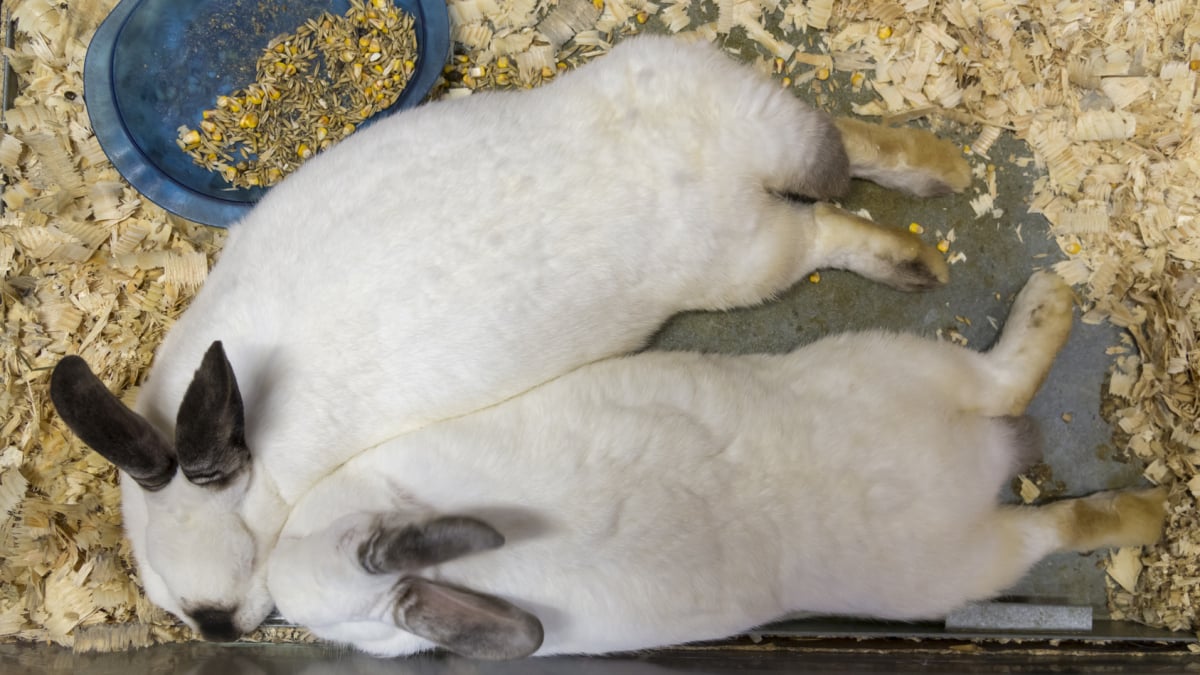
(154,65)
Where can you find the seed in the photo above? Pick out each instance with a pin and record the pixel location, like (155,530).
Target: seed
(189,139)
(249,120)
(943,246)
(823,74)
(884,32)
(915,228)
(815,278)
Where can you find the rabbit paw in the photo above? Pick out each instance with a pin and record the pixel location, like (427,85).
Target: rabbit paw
(918,267)
(1043,307)
(938,166)
(903,158)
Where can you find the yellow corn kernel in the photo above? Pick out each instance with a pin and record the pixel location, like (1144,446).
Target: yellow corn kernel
(234,106)
(501,78)
(273,94)
(222,101)
(778,65)
(190,138)
(377,4)
(1194,64)
(409,66)
(814,278)
(822,73)
(274,175)
(207,114)
(356,71)
(785,82)
(478,71)
(303,151)
(229,173)
(207,126)
(322,132)
(216,135)
(462,59)
(469,81)
(967,150)
(915,228)
(966,49)
(377,68)
(598,4)
(943,246)
(252,179)
(347,129)
(561,65)
(210,157)
(884,32)
(857,79)
(249,120)
(502,62)
(642,17)
(254,97)
(1073,248)
(546,72)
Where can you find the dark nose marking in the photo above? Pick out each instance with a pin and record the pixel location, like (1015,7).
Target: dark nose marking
(216,625)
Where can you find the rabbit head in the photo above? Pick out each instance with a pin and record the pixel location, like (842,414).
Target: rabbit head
(182,500)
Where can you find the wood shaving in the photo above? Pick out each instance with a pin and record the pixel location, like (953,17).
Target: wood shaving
(1104,93)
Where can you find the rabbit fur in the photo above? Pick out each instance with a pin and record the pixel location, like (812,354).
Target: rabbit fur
(670,497)
(454,255)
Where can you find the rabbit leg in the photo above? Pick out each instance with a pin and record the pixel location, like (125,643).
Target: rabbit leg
(904,158)
(1036,329)
(1017,537)
(791,240)
(891,256)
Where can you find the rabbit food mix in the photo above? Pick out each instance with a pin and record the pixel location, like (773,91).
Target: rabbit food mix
(313,88)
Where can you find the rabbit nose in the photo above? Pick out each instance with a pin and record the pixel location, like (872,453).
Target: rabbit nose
(216,625)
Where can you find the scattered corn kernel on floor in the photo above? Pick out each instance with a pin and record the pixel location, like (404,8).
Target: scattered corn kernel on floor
(1078,118)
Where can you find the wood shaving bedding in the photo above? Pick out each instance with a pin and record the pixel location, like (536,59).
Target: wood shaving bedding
(1104,93)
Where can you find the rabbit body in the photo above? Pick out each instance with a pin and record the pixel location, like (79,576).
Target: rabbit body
(465,251)
(457,254)
(673,497)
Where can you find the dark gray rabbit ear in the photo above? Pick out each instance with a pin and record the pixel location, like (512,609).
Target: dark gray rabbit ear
(210,429)
(467,623)
(110,428)
(413,546)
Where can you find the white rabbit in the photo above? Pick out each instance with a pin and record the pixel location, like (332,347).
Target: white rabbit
(457,254)
(672,497)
